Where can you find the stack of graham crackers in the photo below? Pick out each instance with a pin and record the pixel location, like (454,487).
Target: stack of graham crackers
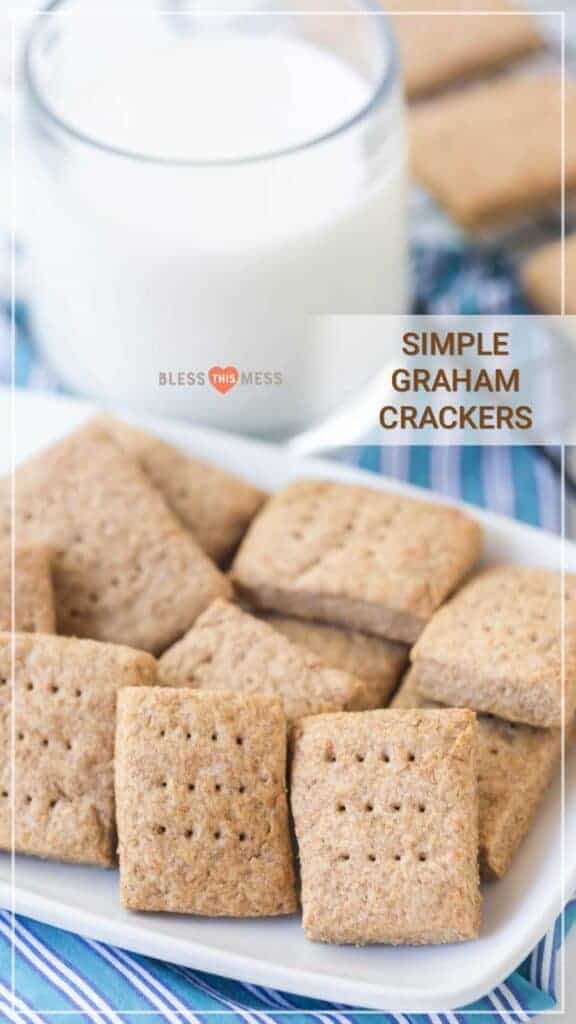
(486,135)
(181,714)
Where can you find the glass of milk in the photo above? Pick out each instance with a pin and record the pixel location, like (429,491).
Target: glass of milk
(201,181)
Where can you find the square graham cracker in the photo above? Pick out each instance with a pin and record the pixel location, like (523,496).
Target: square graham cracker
(124,569)
(496,647)
(438,49)
(202,807)
(377,662)
(216,506)
(66,692)
(33,592)
(516,764)
(228,649)
(492,152)
(385,806)
(541,277)
(355,557)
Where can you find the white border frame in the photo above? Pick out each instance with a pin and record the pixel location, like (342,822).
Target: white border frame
(14,15)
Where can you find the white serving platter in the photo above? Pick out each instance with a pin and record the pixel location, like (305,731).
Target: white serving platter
(275,953)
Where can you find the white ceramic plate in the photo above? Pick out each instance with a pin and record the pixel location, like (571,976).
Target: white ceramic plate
(517,911)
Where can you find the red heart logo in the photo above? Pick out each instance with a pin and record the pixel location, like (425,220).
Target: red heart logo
(223,378)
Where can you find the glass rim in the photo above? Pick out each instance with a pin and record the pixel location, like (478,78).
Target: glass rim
(384,86)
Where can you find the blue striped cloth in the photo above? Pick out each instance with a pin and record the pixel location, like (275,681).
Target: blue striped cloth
(64,979)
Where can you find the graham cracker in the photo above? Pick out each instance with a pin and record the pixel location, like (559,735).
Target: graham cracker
(438,50)
(33,593)
(228,649)
(378,663)
(65,709)
(215,505)
(360,558)
(541,277)
(385,806)
(202,809)
(516,764)
(124,568)
(496,647)
(492,152)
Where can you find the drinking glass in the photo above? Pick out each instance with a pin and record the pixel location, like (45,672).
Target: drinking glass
(197,186)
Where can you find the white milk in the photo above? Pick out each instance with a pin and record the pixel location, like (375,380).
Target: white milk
(145,267)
